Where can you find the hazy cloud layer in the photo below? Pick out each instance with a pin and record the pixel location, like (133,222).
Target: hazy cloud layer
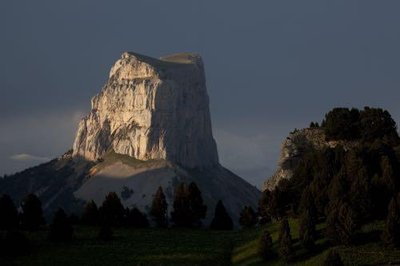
(28,158)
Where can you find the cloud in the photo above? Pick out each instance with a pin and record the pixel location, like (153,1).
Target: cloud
(24,157)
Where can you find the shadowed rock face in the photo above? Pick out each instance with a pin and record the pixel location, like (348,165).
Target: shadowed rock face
(151,109)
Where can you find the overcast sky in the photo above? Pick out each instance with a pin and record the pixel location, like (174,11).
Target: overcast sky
(271,66)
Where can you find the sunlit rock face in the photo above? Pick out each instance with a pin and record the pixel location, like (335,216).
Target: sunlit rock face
(151,109)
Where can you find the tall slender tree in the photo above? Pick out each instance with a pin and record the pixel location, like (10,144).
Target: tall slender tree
(286,251)
(391,233)
(198,208)
(159,208)
(221,220)
(181,213)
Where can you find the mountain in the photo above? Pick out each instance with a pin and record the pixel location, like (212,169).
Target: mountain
(149,126)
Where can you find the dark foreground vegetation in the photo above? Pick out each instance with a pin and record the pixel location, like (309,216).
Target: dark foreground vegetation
(195,247)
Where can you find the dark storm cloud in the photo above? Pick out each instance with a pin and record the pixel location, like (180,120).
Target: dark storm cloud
(271,66)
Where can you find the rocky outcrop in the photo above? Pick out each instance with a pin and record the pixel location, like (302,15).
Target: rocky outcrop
(151,109)
(149,127)
(294,146)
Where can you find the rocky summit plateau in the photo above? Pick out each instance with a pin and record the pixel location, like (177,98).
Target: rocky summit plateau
(149,126)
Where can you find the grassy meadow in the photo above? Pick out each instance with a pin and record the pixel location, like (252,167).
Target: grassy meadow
(192,247)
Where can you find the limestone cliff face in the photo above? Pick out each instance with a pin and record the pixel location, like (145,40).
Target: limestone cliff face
(292,149)
(151,109)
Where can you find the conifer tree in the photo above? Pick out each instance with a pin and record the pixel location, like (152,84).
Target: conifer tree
(221,220)
(248,217)
(198,208)
(91,215)
(181,213)
(8,213)
(308,220)
(159,209)
(112,211)
(391,233)
(188,207)
(32,214)
(286,251)
(341,224)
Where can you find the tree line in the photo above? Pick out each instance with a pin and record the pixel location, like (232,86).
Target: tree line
(188,211)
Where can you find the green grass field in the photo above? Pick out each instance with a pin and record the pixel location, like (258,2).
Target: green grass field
(190,247)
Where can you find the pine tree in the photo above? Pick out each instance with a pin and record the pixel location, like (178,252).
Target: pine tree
(32,214)
(159,208)
(221,220)
(265,246)
(341,226)
(308,220)
(188,207)
(91,215)
(8,213)
(248,217)
(61,228)
(391,233)
(181,213)
(197,207)
(112,211)
(286,251)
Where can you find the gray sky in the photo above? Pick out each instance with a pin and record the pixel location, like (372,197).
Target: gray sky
(271,66)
